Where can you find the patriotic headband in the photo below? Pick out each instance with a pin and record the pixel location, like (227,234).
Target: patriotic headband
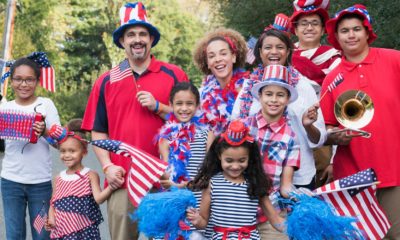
(47,75)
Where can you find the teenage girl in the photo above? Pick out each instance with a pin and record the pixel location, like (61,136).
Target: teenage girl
(26,168)
(74,211)
(234,185)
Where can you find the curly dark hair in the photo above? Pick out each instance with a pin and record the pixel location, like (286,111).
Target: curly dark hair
(281,36)
(200,56)
(259,185)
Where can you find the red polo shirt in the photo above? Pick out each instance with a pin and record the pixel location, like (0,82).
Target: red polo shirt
(113,108)
(379,76)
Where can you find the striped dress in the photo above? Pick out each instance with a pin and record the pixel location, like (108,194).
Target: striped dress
(77,214)
(231,207)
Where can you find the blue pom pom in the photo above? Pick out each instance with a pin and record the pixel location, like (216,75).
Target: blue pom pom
(159,214)
(313,219)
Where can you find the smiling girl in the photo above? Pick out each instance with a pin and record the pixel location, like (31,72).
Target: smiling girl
(26,175)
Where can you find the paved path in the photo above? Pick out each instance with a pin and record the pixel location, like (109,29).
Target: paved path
(89,161)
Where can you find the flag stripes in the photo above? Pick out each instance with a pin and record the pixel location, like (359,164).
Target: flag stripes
(145,169)
(358,201)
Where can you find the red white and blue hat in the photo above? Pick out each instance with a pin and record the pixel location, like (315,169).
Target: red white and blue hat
(237,133)
(281,23)
(134,14)
(308,7)
(277,75)
(358,9)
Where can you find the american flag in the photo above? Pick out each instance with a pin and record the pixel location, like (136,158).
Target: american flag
(40,219)
(251,43)
(338,80)
(145,169)
(355,196)
(47,74)
(120,71)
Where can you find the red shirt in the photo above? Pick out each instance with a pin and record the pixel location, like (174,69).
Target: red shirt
(378,76)
(113,108)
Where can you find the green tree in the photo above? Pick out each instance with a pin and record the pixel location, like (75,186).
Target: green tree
(251,16)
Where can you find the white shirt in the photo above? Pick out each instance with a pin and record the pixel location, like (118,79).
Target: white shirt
(307,97)
(33,165)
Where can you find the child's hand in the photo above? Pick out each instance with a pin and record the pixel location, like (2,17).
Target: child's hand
(115,176)
(311,115)
(39,127)
(193,215)
(168,183)
(278,223)
(50,223)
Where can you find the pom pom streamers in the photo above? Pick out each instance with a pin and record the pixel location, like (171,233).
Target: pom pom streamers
(311,218)
(159,214)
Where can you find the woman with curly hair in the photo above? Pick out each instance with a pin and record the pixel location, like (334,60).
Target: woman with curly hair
(220,54)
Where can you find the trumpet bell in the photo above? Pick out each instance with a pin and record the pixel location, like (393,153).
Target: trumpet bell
(354,109)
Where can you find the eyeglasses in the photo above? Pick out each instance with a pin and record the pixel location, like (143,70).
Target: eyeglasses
(305,24)
(28,81)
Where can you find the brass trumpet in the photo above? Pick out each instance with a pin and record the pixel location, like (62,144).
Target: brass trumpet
(354,109)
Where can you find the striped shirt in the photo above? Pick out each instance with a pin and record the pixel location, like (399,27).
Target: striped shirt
(231,207)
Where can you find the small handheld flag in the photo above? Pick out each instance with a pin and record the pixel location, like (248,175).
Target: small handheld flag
(338,80)
(40,219)
(251,43)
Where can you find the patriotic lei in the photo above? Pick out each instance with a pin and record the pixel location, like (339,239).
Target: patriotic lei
(179,135)
(217,103)
(246,98)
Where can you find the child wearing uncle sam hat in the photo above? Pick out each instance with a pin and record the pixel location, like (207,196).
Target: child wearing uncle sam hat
(234,185)
(271,129)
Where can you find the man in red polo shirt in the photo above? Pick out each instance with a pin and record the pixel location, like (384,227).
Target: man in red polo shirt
(376,72)
(127,103)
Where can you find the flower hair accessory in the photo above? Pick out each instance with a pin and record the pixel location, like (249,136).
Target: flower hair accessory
(237,133)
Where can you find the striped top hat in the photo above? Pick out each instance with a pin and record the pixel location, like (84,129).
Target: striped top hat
(308,7)
(134,14)
(237,133)
(357,9)
(281,23)
(277,75)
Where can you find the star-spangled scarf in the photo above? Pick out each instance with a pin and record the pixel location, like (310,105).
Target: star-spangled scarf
(179,135)
(246,98)
(217,103)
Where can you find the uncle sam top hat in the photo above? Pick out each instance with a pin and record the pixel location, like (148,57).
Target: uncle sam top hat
(308,7)
(134,14)
(237,133)
(276,75)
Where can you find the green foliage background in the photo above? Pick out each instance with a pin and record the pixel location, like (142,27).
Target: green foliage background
(77,34)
